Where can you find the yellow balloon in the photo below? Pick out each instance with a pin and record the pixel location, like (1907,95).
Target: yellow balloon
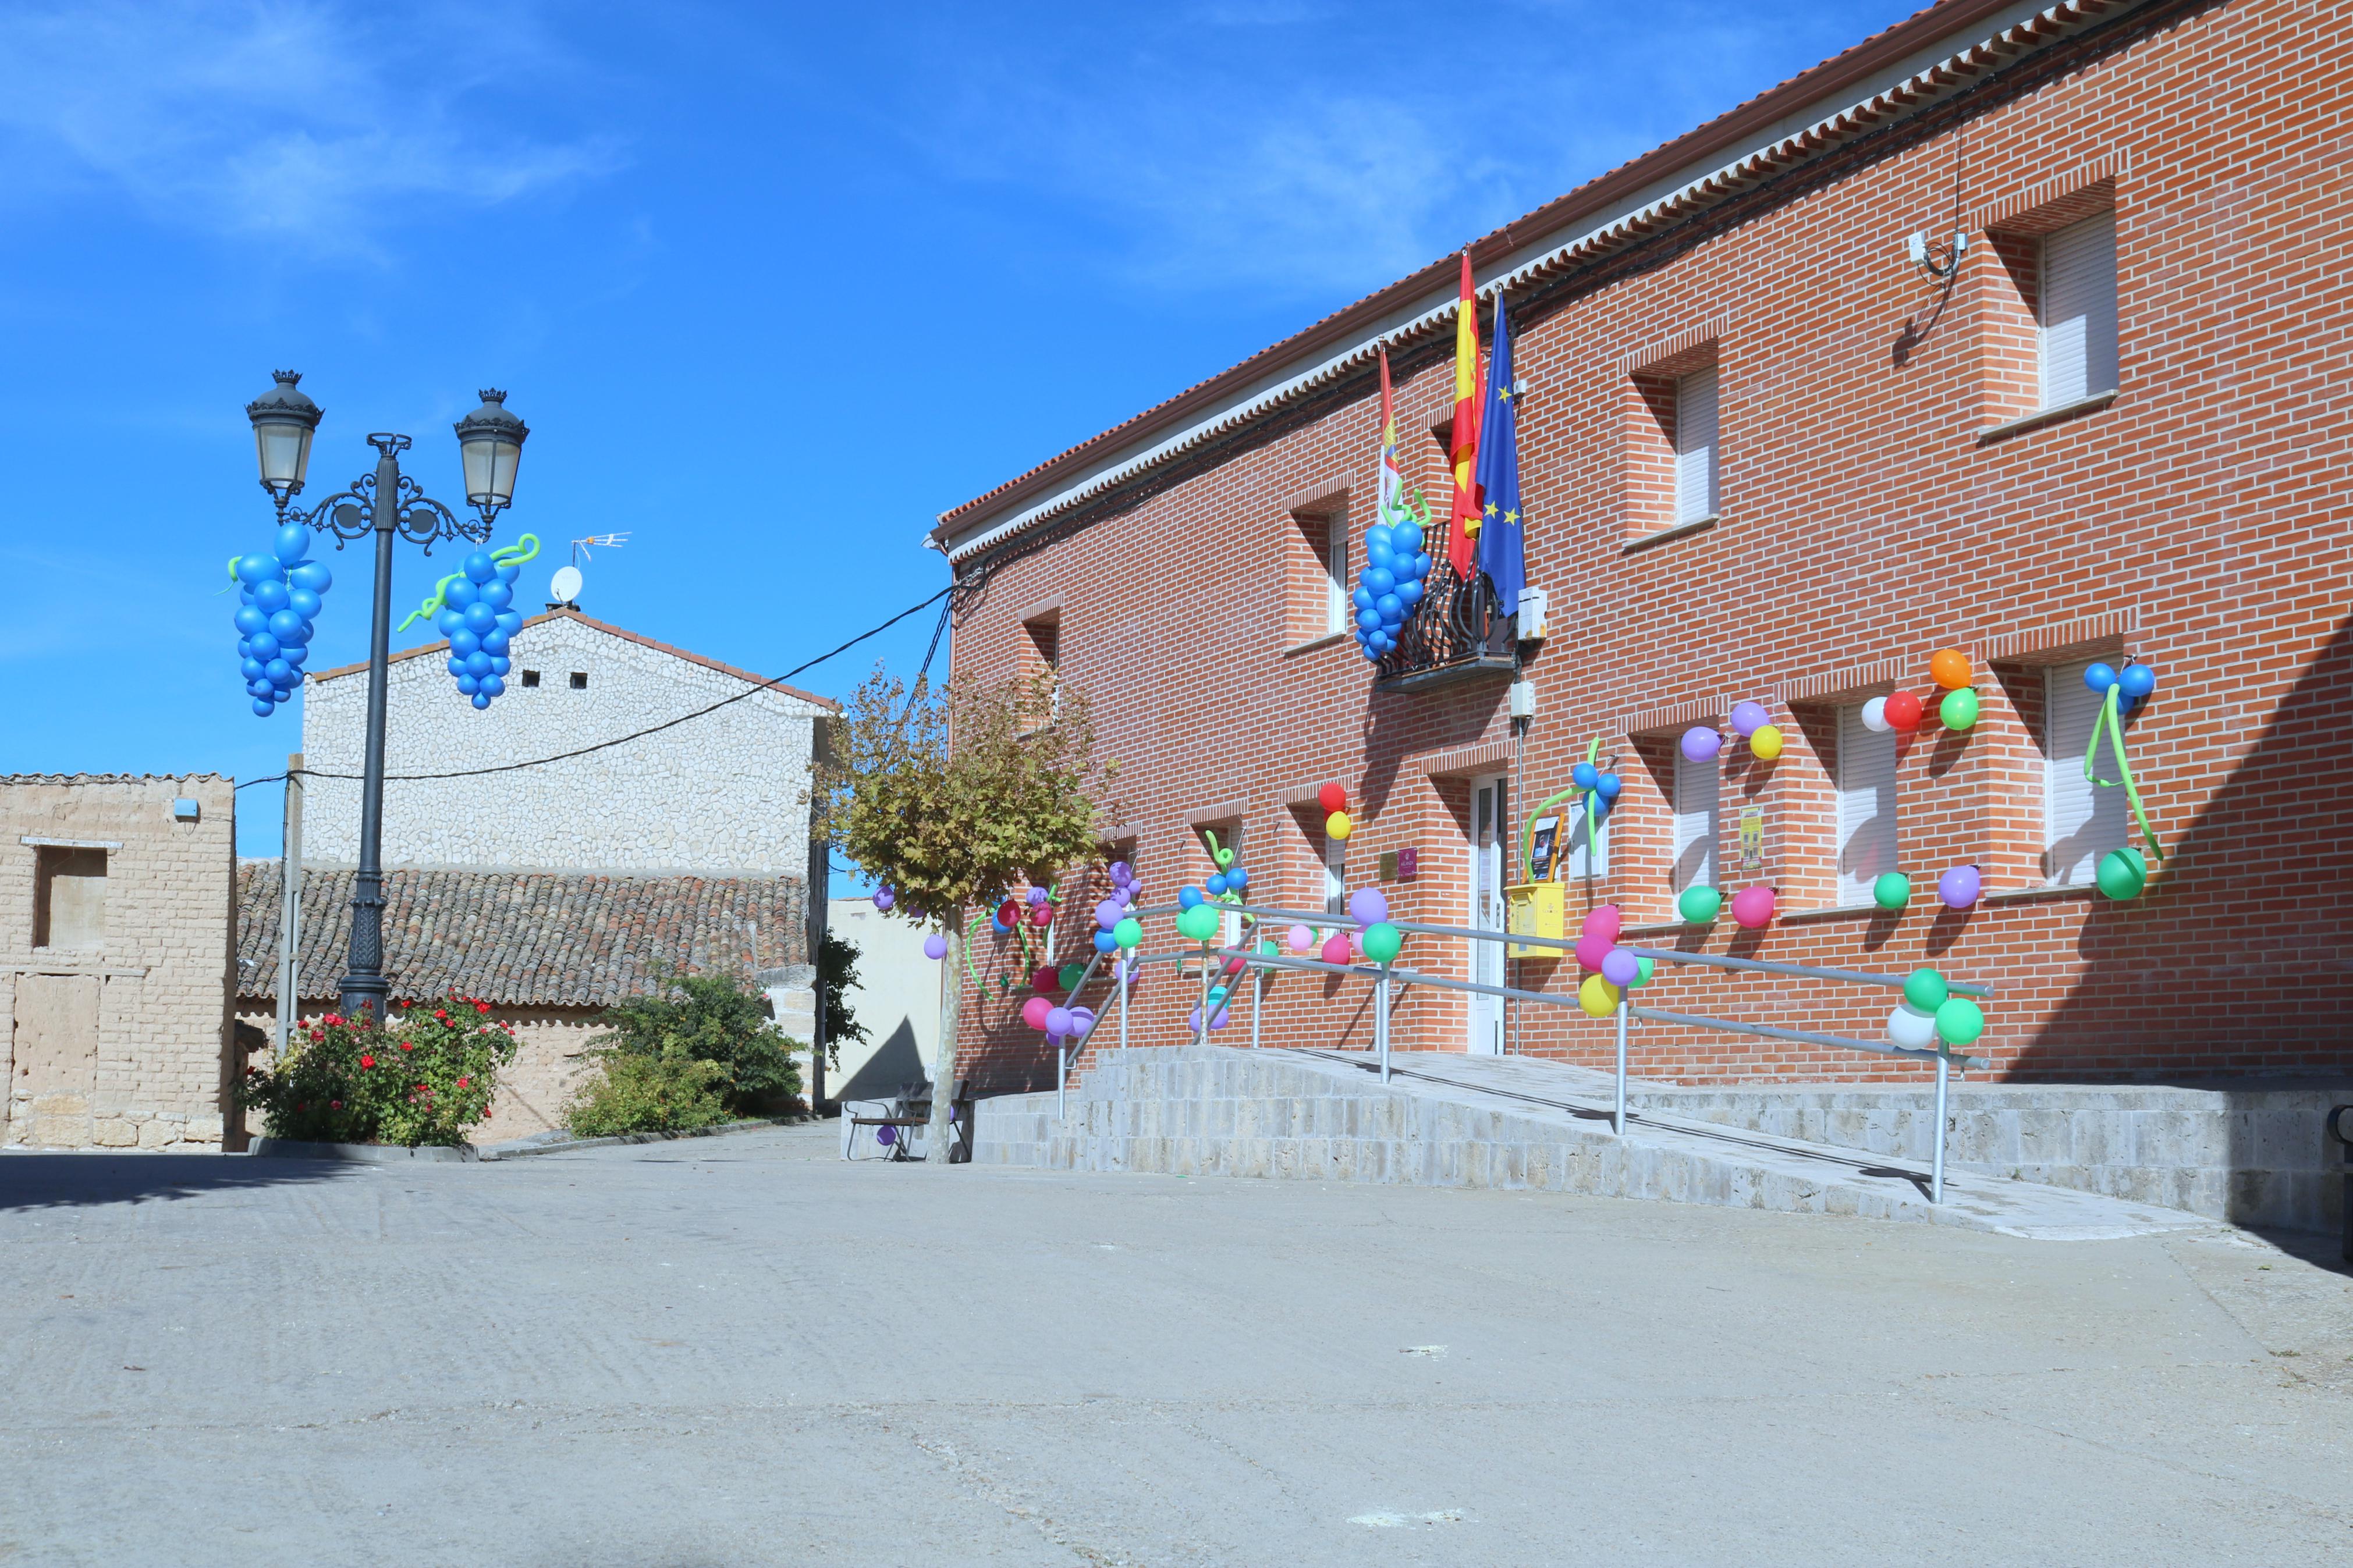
(1598,996)
(1765,743)
(1338,825)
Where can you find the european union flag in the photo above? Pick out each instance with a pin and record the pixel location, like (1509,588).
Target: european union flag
(1503,551)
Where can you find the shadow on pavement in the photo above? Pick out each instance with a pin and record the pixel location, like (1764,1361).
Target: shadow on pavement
(62,1180)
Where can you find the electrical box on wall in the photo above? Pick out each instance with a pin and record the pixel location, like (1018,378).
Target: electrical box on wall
(1532,614)
(1524,700)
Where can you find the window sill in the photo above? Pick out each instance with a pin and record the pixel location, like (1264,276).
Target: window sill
(2048,890)
(1833,911)
(1666,535)
(2041,416)
(1328,639)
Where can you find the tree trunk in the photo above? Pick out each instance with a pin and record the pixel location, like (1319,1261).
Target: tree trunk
(938,1135)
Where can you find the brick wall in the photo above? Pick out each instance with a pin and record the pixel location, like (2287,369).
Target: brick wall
(123,1042)
(1867,520)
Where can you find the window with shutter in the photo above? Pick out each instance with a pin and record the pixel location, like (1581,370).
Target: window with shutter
(1695,446)
(2079,310)
(2081,820)
(1582,859)
(1339,613)
(1336,875)
(1697,792)
(1866,806)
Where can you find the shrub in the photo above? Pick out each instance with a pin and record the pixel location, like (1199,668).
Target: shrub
(423,1080)
(710,1018)
(648,1094)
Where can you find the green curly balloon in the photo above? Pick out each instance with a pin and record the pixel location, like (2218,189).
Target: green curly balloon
(520,552)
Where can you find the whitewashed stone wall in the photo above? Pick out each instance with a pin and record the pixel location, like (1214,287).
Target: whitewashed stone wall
(727,795)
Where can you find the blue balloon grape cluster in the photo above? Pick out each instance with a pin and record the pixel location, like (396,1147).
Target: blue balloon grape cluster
(1391,584)
(281,599)
(476,617)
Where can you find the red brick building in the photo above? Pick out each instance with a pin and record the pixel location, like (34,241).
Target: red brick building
(1767,456)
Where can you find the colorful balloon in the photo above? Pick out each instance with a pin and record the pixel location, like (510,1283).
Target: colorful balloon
(1604,920)
(1903,710)
(1620,968)
(2099,677)
(1701,743)
(1699,904)
(1337,949)
(1875,716)
(1960,1021)
(2135,683)
(2122,874)
(936,946)
(1766,744)
(1127,933)
(1367,907)
(1337,826)
(1925,989)
(1598,996)
(1592,948)
(1753,907)
(1891,890)
(1383,942)
(1299,939)
(1332,798)
(1034,1012)
(1960,885)
(1958,710)
(1198,923)
(1949,668)
(1912,1028)
(1747,718)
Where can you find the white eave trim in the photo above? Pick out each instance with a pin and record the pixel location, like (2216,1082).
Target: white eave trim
(1898,91)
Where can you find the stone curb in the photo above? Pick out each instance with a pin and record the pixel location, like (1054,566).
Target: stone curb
(359,1154)
(523,1146)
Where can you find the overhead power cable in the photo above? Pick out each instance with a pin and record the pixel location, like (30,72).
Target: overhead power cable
(636,734)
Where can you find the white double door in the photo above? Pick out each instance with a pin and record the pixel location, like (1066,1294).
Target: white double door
(1491,837)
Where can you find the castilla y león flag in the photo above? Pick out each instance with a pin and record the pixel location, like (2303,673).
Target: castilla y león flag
(1462,521)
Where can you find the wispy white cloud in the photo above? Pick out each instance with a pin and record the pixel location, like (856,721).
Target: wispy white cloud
(293,121)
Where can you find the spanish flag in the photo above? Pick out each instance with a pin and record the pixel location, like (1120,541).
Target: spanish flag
(1462,530)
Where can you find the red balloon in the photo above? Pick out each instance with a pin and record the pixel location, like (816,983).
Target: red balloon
(1041,914)
(1046,981)
(1903,710)
(1592,948)
(1332,798)
(1009,913)
(1034,1011)
(1335,949)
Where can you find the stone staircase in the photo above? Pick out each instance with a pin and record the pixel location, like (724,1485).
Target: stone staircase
(1487,1121)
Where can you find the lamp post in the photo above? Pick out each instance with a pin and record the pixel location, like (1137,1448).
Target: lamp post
(384,503)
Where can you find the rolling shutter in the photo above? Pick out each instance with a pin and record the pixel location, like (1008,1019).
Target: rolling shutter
(2079,310)
(1695,446)
(1866,806)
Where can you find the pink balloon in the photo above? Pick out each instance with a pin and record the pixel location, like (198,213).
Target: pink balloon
(1034,1011)
(1299,939)
(1605,922)
(1335,949)
(1753,907)
(1592,948)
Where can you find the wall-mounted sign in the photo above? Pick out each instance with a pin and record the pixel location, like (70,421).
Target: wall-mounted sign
(1540,851)
(1752,838)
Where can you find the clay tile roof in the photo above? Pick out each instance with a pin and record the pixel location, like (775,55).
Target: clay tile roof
(553,939)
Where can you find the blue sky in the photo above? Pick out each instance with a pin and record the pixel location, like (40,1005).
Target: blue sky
(773,285)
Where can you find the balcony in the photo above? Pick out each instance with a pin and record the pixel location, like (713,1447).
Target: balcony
(1457,633)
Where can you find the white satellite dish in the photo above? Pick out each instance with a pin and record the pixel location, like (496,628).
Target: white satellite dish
(565,585)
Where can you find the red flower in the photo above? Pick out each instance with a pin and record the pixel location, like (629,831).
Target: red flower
(442,1013)
(481,1006)
(301,1105)
(367,1061)
(406,1046)
(317,1035)
(486,1116)
(332,1019)
(335,1104)
(464,1081)
(425,1086)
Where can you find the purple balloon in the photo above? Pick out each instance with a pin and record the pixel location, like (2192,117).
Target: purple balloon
(883,898)
(1037,896)
(1960,886)
(1083,1018)
(1367,907)
(936,946)
(1225,1015)
(1699,743)
(1057,1022)
(1109,912)
(886,1136)
(1122,873)
(1747,718)
(1620,967)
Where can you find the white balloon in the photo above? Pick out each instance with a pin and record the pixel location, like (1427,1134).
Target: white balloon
(1875,716)
(1908,1025)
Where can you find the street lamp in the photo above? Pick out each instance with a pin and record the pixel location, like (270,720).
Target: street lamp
(384,503)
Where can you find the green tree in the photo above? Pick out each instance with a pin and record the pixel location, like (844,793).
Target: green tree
(837,976)
(952,794)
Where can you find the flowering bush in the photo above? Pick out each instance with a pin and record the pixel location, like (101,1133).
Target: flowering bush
(648,1094)
(424,1078)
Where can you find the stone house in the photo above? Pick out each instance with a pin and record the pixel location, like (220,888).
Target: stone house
(555,889)
(115,954)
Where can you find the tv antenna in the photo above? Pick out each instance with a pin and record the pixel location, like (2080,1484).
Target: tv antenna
(565,585)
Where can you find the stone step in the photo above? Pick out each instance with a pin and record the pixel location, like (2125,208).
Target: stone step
(1215,1110)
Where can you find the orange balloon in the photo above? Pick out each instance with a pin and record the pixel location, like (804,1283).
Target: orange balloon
(1951,668)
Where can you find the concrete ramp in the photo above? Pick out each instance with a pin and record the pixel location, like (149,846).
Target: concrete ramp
(1488,1121)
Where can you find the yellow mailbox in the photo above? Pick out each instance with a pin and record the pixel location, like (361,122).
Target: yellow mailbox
(1534,909)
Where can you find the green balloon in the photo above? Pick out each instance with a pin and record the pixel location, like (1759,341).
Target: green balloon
(1269,948)
(1070,974)
(1699,904)
(1892,891)
(1127,933)
(1198,923)
(1925,989)
(2122,873)
(1382,942)
(1960,1021)
(1642,971)
(1960,709)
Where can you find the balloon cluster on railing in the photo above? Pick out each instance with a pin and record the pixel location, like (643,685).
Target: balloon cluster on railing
(1390,587)
(1611,970)
(1115,929)
(476,617)
(1930,1012)
(280,593)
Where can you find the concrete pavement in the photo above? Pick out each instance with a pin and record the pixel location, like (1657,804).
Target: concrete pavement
(742,1350)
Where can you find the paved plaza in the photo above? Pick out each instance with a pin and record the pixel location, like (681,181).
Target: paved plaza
(740,1351)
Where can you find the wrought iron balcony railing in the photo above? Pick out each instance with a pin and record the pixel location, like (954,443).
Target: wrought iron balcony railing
(1457,631)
